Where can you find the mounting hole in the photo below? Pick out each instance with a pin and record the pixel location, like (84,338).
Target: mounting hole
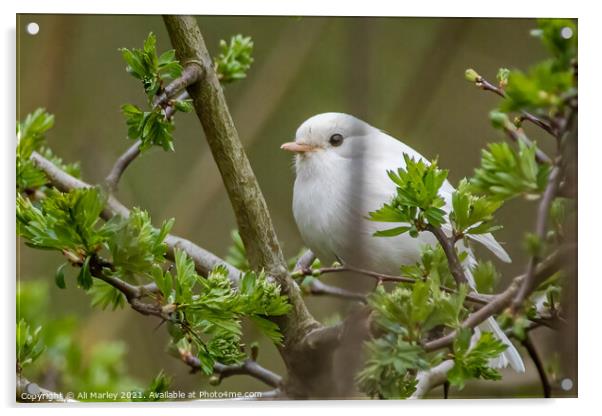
(32,28)
(566,32)
(566,384)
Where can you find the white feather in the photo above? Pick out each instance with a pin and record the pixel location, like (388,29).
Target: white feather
(336,188)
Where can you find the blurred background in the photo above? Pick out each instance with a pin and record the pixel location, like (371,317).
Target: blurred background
(402,75)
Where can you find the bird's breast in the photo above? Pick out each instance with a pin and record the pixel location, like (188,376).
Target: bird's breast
(331,204)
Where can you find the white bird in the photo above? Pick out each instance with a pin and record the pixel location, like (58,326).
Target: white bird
(341,175)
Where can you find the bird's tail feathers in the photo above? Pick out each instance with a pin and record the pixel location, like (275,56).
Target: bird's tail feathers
(492,245)
(510,356)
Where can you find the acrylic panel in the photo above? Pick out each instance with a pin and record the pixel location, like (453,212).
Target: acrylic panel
(288,207)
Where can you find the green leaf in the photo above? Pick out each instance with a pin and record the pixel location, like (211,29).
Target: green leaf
(154,392)
(30,138)
(63,221)
(540,88)
(560,38)
(417,201)
(392,231)
(472,214)
(59,277)
(485,276)
(30,132)
(237,255)
(29,346)
(84,278)
(135,65)
(387,371)
(268,328)
(105,295)
(235,59)
(473,362)
(135,245)
(502,76)
(387,213)
(184,106)
(208,311)
(506,173)
(145,65)
(152,127)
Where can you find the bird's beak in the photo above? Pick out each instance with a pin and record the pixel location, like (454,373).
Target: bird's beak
(297,147)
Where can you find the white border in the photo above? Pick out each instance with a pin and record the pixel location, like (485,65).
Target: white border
(589,155)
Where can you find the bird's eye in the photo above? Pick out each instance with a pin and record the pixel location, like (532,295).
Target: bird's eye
(336,139)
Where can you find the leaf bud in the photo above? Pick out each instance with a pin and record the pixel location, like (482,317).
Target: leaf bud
(215,380)
(499,120)
(471,75)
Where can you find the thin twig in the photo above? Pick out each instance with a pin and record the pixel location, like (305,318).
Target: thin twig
(248,367)
(540,231)
(455,266)
(518,136)
(538,122)
(190,74)
(319,288)
(543,376)
(123,161)
(305,261)
(488,86)
(381,277)
(121,165)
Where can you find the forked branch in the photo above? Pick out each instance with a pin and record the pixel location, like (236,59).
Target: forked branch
(251,211)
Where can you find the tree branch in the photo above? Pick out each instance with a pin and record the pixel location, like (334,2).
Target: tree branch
(528,283)
(504,299)
(322,288)
(252,216)
(543,376)
(248,367)
(204,260)
(134,295)
(28,392)
(429,379)
(253,219)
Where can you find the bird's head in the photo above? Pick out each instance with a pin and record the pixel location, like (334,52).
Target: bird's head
(329,134)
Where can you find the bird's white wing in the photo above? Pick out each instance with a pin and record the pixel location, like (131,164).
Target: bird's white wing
(391,150)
